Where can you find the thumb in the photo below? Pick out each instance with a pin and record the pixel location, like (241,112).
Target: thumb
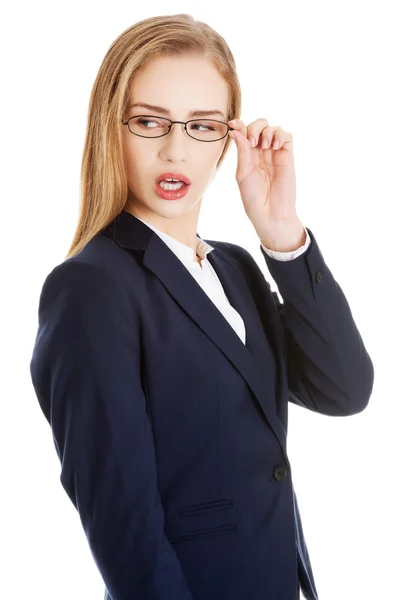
(244,154)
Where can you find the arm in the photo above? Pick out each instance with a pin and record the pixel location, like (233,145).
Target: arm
(290,255)
(85,370)
(329,369)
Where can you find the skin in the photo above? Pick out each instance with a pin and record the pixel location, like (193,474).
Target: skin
(179,84)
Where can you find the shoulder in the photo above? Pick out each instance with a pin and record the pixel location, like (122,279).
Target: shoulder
(241,258)
(99,265)
(80,287)
(230,250)
(79,270)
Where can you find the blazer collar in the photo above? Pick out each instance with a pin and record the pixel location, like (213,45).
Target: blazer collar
(131,233)
(182,251)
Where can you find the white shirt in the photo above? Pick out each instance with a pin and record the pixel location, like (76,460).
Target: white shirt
(207,278)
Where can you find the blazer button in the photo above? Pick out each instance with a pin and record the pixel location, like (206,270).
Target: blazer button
(319,277)
(280,473)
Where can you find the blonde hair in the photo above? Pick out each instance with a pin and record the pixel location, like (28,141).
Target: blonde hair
(103,184)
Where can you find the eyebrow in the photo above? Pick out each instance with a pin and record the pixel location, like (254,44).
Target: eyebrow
(164,111)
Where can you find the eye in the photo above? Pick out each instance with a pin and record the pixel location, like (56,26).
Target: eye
(142,121)
(206,125)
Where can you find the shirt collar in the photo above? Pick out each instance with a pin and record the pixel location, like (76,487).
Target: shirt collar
(184,252)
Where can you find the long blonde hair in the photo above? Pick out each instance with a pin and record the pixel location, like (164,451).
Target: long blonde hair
(103,184)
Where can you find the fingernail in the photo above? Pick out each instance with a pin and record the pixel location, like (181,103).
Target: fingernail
(252,141)
(265,144)
(276,144)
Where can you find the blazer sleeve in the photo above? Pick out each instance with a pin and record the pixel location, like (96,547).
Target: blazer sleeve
(329,369)
(85,370)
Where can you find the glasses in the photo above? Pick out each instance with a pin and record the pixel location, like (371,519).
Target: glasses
(203,130)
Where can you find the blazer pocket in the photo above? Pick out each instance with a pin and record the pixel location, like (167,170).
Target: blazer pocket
(204,508)
(203,520)
(204,533)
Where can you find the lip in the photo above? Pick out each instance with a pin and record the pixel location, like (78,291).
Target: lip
(171,194)
(170,175)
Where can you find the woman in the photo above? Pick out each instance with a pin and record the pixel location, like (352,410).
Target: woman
(163,362)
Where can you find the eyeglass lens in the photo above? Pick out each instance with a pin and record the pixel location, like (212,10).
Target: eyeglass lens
(200,129)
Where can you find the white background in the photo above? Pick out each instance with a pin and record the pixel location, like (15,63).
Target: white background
(326,72)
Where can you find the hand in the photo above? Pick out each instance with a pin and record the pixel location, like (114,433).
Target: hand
(266,178)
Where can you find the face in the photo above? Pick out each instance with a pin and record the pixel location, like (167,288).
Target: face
(179,85)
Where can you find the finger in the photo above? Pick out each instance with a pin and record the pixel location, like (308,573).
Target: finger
(270,135)
(244,154)
(281,139)
(255,129)
(238,125)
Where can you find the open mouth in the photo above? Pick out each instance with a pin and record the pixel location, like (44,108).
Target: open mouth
(171,191)
(173,178)
(171,185)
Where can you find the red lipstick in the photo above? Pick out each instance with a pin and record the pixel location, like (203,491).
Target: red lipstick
(170,175)
(172,194)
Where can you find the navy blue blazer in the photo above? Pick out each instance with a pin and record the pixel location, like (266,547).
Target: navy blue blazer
(170,431)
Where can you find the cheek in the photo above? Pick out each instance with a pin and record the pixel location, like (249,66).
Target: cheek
(128,155)
(211,159)
(219,150)
(137,163)
(209,155)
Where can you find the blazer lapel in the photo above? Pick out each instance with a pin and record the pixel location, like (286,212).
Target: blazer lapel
(130,233)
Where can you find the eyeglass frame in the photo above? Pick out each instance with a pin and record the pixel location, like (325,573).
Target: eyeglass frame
(170,127)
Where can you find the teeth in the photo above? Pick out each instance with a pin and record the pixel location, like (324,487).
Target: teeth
(171,186)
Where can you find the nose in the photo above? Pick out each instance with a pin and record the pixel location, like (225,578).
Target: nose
(174,143)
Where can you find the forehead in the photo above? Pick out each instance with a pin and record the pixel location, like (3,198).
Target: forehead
(182,86)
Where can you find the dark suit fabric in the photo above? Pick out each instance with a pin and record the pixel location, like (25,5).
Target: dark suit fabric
(171,433)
